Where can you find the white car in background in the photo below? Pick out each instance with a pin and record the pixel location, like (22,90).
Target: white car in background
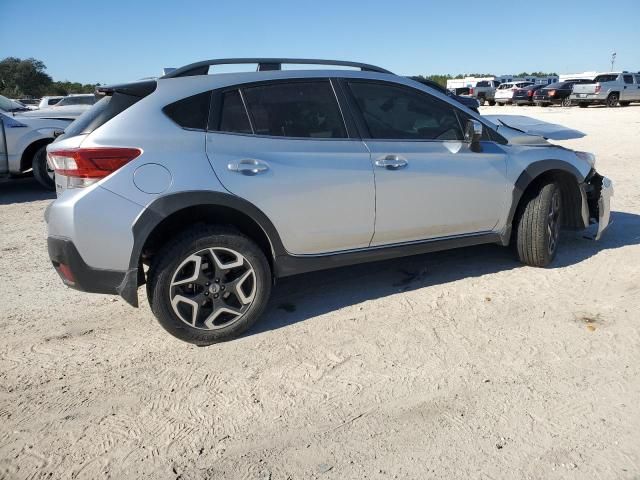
(23,146)
(505,91)
(70,107)
(46,102)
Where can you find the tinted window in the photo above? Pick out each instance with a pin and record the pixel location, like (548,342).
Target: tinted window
(190,112)
(233,116)
(103,111)
(401,113)
(297,109)
(53,101)
(606,78)
(483,84)
(628,78)
(637,78)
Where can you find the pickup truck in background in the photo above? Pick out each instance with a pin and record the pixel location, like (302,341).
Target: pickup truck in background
(485,91)
(608,89)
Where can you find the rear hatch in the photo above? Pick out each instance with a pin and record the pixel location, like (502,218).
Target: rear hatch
(115,100)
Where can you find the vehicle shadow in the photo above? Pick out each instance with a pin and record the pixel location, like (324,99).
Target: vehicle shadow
(21,190)
(296,299)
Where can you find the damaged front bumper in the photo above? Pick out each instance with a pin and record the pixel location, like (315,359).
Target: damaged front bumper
(596,201)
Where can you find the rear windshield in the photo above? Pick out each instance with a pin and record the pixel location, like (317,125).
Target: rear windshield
(100,113)
(606,78)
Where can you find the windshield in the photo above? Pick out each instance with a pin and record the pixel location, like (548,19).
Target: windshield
(79,100)
(9,105)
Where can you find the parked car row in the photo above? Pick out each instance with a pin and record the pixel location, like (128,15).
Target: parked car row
(610,89)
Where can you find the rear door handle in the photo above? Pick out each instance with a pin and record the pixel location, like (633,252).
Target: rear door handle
(248,167)
(391,162)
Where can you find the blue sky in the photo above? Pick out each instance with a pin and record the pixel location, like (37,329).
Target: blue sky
(117,40)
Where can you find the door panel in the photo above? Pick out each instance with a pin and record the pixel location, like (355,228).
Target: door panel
(428,181)
(445,189)
(319,194)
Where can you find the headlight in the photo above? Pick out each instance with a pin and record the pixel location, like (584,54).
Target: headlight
(590,158)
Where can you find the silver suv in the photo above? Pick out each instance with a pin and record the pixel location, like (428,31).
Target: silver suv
(208,187)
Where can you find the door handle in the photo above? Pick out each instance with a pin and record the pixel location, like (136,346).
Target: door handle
(248,167)
(391,162)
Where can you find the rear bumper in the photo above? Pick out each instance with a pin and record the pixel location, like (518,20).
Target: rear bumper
(588,98)
(75,273)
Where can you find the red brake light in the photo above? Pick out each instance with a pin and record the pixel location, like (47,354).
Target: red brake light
(530,93)
(597,88)
(552,93)
(471,91)
(93,163)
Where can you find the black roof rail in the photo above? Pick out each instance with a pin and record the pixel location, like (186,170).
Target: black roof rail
(264,64)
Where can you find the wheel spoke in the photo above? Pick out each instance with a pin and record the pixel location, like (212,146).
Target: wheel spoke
(197,260)
(245,299)
(195,308)
(238,262)
(219,310)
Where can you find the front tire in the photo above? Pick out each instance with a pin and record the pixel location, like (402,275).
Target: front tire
(538,226)
(208,285)
(566,102)
(41,170)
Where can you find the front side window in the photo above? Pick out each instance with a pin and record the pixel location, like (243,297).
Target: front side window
(392,112)
(295,109)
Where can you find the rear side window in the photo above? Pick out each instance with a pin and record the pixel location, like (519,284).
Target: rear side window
(637,77)
(53,101)
(628,78)
(191,112)
(233,116)
(296,109)
(606,78)
(392,112)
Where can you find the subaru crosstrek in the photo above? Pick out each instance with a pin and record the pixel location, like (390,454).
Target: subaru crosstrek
(208,187)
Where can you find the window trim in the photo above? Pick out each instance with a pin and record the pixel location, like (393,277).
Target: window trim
(217,111)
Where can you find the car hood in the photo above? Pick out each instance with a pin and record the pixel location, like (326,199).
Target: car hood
(522,128)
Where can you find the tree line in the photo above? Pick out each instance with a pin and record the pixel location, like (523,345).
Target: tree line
(20,78)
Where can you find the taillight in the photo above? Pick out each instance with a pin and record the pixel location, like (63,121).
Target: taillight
(471,91)
(597,88)
(84,166)
(530,93)
(552,93)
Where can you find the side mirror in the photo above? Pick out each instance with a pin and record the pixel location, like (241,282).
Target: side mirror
(472,134)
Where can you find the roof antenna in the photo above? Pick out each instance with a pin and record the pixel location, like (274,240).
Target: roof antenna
(613,60)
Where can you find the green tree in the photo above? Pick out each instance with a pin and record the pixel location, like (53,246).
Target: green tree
(23,77)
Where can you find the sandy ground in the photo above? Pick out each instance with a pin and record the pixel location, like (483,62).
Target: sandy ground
(463,364)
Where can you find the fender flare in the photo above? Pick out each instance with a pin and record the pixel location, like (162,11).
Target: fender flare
(167,205)
(528,175)
(164,206)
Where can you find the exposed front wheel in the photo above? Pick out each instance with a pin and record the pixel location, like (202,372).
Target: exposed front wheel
(538,226)
(209,285)
(566,102)
(41,170)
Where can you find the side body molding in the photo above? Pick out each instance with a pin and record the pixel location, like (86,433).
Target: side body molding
(529,174)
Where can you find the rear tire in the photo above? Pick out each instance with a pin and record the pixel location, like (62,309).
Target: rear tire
(492,103)
(612,100)
(538,225)
(481,101)
(583,105)
(41,171)
(566,102)
(208,285)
